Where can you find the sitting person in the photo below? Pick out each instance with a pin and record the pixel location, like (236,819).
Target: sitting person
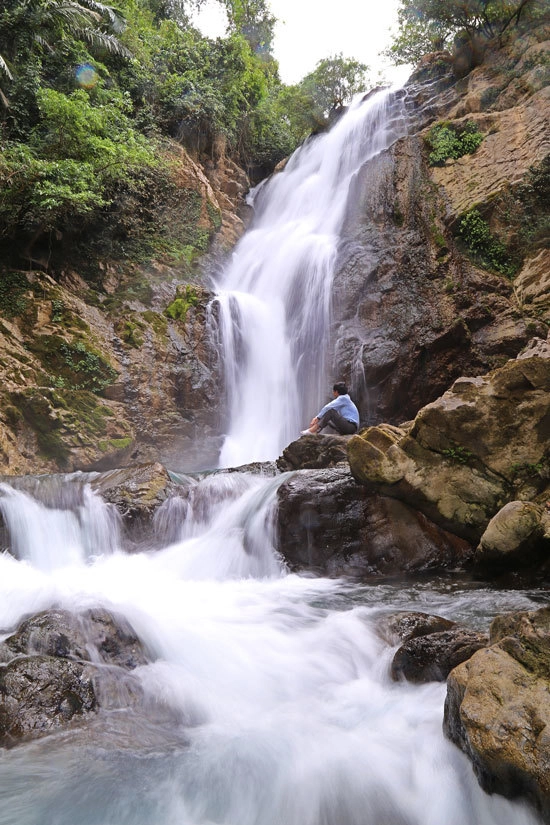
(340,414)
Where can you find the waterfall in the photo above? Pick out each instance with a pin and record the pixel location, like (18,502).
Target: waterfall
(73,526)
(275,295)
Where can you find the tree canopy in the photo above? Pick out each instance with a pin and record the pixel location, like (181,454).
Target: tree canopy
(91,94)
(426,26)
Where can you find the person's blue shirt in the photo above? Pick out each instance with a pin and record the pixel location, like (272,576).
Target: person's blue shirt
(345,406)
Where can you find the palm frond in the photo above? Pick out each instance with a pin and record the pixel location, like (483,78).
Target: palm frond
(115,18)
(104,41)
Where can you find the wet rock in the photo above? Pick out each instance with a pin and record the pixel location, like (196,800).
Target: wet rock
(41,693)
(312,452)
(405,626)
(51,633)
(431,657)
(330,524)
(135,491)
(60,666)
(114,639)
(497,708)
(94,635)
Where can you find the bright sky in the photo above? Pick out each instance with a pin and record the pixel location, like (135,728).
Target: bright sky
(309,30)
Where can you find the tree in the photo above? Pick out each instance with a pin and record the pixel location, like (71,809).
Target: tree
(254,21)
(334,82)
(431,25)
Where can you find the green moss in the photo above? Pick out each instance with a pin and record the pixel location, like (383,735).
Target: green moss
(131,333)
(157,321)
(72,365)
(215,215)
(37,412)
(185,299)
(113,444)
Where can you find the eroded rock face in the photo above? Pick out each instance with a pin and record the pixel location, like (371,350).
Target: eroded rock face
(459,461)
(330,524)
(498,708)
(59,666)
(412,312)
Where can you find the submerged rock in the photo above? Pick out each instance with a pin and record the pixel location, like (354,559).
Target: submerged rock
(60,665)
(497,708)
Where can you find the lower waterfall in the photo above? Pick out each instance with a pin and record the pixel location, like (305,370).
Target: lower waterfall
(267,700)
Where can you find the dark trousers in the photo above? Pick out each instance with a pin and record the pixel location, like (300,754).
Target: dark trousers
(333,419)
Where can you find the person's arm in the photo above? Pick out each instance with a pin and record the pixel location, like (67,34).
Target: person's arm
(331,405)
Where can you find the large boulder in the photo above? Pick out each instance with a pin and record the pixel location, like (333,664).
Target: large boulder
(329,523)
(517,536)
(468,453)
(497,708)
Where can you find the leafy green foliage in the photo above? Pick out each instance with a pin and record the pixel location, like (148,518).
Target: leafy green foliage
(334,82)
(92,98)
(486,248)
(449,141)
(426,26)
(459,454)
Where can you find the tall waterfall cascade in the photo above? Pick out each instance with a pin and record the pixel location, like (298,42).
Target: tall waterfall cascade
(275,295)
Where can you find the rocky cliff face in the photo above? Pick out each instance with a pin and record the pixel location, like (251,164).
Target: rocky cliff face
(417,303)
(99,372)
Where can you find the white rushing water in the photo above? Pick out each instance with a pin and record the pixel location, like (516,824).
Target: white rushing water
(275,296)
(267,700)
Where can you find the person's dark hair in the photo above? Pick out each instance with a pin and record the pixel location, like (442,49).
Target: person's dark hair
(340,388)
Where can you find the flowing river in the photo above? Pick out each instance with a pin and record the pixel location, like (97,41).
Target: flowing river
(267,699)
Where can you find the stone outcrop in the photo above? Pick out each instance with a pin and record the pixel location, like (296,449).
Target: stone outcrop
(95,371)
(498,708)
(60,666)
(330,524)
(483,444)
